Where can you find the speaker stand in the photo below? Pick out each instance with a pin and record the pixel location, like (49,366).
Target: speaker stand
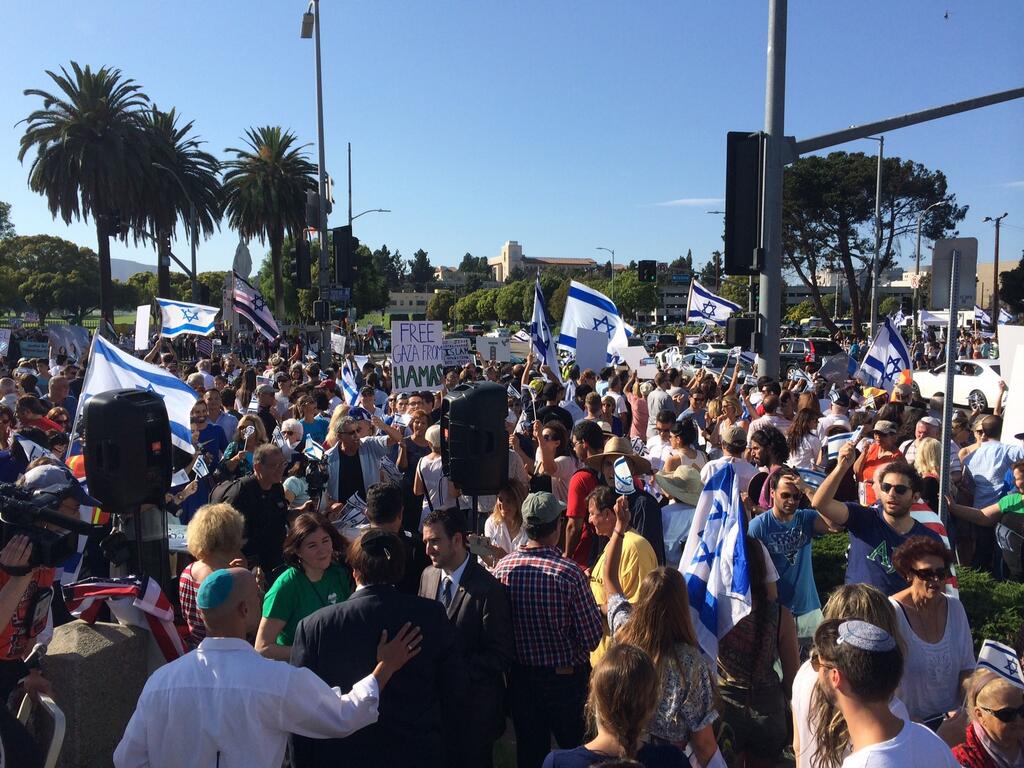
(474,520)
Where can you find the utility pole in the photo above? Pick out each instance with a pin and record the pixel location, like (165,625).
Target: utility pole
(771,222)
(878,236)
(995,277)
(350,185)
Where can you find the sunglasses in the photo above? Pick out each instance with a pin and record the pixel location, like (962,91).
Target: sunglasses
(931,574)
(898,489)
(1006,714)
(817,664)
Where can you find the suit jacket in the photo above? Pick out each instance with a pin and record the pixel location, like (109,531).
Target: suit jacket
(339,643)
(482,618)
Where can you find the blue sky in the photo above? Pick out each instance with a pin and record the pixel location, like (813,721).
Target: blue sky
(565,125)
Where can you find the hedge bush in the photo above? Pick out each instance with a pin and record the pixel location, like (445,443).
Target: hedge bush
(995,609)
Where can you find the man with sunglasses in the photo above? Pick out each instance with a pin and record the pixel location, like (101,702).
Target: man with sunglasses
(876,531)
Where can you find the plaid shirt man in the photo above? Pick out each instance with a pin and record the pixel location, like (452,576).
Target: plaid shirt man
(555,621)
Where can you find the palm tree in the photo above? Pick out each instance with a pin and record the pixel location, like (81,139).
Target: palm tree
(182,176)
(265,193)
(90,154)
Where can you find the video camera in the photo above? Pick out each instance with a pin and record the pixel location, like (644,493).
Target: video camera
(35,514)
(316,476)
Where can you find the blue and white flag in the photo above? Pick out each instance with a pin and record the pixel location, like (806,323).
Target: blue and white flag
(1002,660)
(542,343)
(348,384)
(898,318)
(702,306)
(32,449)
(887,358)
(812,477)
(714,562)
(250,304)
(111,368)
(981,316)
(180,317)
(591,309)
(1005,317)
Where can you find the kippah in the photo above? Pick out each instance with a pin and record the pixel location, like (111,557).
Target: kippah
(867,637)
(215,589)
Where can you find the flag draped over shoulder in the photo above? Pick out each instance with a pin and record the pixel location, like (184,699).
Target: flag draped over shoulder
(541,341)
(702,306)
(714,561)
(887,358)
(179,317)
(250,304)
(348,383)
(591,309)
(111,368)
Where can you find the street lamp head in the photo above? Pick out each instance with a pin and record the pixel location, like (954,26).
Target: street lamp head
(307,24)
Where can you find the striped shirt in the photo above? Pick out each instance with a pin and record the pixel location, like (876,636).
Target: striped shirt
(555,621)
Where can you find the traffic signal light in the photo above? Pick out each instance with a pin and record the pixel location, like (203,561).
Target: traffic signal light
(744,181)
(204,293)
(345,261)
(647,271)
(302,263)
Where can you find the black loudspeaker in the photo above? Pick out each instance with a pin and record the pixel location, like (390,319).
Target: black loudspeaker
(474,443)
(742,332)
(127,449)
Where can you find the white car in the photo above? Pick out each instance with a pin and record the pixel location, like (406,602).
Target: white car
(975,382)
(713,347)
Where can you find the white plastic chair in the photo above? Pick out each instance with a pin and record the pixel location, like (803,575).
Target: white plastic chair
(53,717)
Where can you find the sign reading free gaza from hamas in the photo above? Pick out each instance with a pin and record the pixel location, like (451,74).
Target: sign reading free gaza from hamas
(417,356)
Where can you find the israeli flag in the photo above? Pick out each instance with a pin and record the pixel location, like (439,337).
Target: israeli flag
(887,358)
(542,343)
(835,442)
(812,477)
(587,308)
(702,306)
(33,450)
(179,317)
(1002,660)
(111,368)
(981,316)
(1004,317)
(714,562)
(348,383)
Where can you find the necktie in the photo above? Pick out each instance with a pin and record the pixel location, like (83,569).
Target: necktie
(446,592)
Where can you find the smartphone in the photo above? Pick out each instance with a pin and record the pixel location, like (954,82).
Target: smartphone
(478,545)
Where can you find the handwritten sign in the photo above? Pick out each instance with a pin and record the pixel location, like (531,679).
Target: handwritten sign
(338,343)
(494,348)
(457,352)
(417,356)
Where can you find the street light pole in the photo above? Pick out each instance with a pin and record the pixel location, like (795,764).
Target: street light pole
(323,279)
(612,284)
(191,227)
(917,261)
(878,234)
(995,277)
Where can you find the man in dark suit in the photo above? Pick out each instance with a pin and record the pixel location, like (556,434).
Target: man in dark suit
(338,642)
(384,510)
(478,608)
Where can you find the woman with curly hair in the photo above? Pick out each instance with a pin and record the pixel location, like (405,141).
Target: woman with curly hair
(659,624)
(940,652)
(803,441)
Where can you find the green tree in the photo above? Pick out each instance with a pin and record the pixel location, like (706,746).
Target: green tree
(1011,287)
(828,218)
(889,306)
(265,194)
(710,274)
(6,225)
(144,285)
(390,265)
(183,180)
(632,296)
(737,290)
(486,299)
(683,262)
(125,296)
(465,310)
(472,264)
(421,273)
(90,154)
(214,281)
(508,304)
(297,303)
(440,306)
(370,292)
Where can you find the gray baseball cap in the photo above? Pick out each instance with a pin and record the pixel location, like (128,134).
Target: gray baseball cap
(541,507)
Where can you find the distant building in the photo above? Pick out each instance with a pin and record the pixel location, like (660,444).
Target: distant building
(512,257)
(411,303)
(452,278)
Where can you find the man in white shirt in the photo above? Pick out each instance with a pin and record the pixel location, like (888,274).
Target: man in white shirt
(772,415)
(734,446)
(226,705)
(838,413)
(282,398)
(859,667)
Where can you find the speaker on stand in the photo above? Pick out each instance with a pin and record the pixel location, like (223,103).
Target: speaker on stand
(127,451)
(474,443)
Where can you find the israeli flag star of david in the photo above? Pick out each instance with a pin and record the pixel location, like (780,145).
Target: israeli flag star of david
(703,306)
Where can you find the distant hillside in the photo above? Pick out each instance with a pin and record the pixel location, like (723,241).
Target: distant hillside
(122,269)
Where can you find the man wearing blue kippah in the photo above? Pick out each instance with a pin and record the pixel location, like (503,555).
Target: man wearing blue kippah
(226,705)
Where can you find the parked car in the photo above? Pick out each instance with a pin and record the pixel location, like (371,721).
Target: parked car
(795,353)
(657,342)
(975,383)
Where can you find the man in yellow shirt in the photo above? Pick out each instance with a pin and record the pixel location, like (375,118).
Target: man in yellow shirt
(638,558)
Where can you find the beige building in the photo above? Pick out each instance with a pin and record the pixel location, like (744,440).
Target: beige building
(512,257)
(412,303)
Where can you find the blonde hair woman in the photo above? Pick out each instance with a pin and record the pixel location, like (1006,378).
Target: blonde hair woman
(238,455)
(927,461)
(995,736)
(214,537)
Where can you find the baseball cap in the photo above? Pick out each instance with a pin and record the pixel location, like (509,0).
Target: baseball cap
(884,428)
(735,435)
(541,507)
(58,480)
(281,376)
(931,421)
(361,414)
(265,389)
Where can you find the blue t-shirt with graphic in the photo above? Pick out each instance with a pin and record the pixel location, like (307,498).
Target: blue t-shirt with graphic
(789,544)
(872,542)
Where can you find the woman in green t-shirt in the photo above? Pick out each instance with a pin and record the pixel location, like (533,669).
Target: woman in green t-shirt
(314,549)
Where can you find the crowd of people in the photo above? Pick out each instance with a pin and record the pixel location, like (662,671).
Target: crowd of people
(350,609)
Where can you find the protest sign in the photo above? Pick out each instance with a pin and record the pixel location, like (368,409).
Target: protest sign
(647,368)
(5,340)
(37,349)
(457,352)
(417,356)
(494,348)
(337,343)
(632,356)
(591,349)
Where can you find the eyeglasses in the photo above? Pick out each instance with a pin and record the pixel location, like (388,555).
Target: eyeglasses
(931,574)
(1006,714)
(898,489)
(817,664)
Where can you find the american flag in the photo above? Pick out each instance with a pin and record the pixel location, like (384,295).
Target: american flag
(204,347)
